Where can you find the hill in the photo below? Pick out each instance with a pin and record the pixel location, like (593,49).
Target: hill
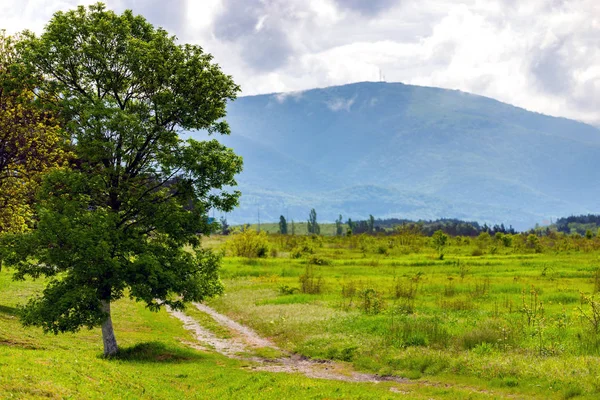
(395,150)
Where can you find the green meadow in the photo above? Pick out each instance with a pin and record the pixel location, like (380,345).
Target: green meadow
(154,363)
(517,313)
(493,318)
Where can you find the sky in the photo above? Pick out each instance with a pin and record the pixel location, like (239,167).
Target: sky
(542,55)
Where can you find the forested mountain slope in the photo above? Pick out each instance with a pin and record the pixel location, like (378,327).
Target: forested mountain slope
(395,150)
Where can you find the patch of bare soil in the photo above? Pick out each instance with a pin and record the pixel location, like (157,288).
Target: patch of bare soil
(244,340)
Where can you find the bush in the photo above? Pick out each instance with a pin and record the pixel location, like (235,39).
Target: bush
(309,283)
(413,331)
(489,333)
(371,301)
(477,252)
(287,290)
(316,260)
(349,289)
(301,250)
(249,243)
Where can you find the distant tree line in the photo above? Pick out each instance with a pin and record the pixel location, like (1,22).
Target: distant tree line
(578,224)
(585,225)
(450,226)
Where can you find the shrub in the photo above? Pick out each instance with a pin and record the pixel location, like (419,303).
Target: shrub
(413,331)
(371,301)
(301,250)
(249,243)
(489,333)
(439,241)
(315,260)
(405,289)
(287,290)
(477,252)
(533,242)
(309,283)
(381,249)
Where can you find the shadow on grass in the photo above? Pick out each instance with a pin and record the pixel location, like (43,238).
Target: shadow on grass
(12,311)
(156,352)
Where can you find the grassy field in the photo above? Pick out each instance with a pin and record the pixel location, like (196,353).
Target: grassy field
(516,316)
(154,363)
(492,319)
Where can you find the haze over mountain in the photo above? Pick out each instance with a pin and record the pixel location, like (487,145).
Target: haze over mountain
(395,150)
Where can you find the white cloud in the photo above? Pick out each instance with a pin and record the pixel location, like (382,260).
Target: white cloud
(340,104)
(283,96)
(17,15)
(539,54)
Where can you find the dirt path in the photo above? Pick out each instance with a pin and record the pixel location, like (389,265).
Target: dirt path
(244,340)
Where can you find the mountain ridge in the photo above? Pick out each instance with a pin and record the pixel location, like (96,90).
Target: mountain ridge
(468,154)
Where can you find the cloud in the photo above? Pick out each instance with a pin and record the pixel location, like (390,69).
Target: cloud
(339,104)
(282,97)
(551,70)
(543,55)
(167,14)
(257,30)
(371,7)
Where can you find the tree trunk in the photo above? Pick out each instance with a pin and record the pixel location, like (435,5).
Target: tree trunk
(108,334)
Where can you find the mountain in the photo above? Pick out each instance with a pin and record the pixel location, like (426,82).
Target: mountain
(395,150)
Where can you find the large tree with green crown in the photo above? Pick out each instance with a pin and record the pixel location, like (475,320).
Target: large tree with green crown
(126,219)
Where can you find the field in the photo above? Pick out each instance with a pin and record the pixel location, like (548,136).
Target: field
(493,318)
(156,362)
(509,314)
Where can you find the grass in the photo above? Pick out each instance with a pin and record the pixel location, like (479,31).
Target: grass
(152,364)
(509,322)
(510,319)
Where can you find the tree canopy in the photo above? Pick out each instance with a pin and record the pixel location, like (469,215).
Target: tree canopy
(312,224)
(125,219)
(31,142)
(283,225)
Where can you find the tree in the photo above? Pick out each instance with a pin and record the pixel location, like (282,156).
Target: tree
(31,143)
(350,224)
(339,229)
(118,221)
(293,228)
(312,225)
(439,240)
(371,224)
(282,225)
(225,228)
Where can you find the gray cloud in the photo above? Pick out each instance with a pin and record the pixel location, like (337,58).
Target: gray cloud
(551,70)
(259,31)
(367,7)
(167,14)
(239,18)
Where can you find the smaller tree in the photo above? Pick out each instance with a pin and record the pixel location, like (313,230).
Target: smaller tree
(225,228)
(282,225)
(351,224)
(439,240)
(371,224)
(312,225)
(338,226)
